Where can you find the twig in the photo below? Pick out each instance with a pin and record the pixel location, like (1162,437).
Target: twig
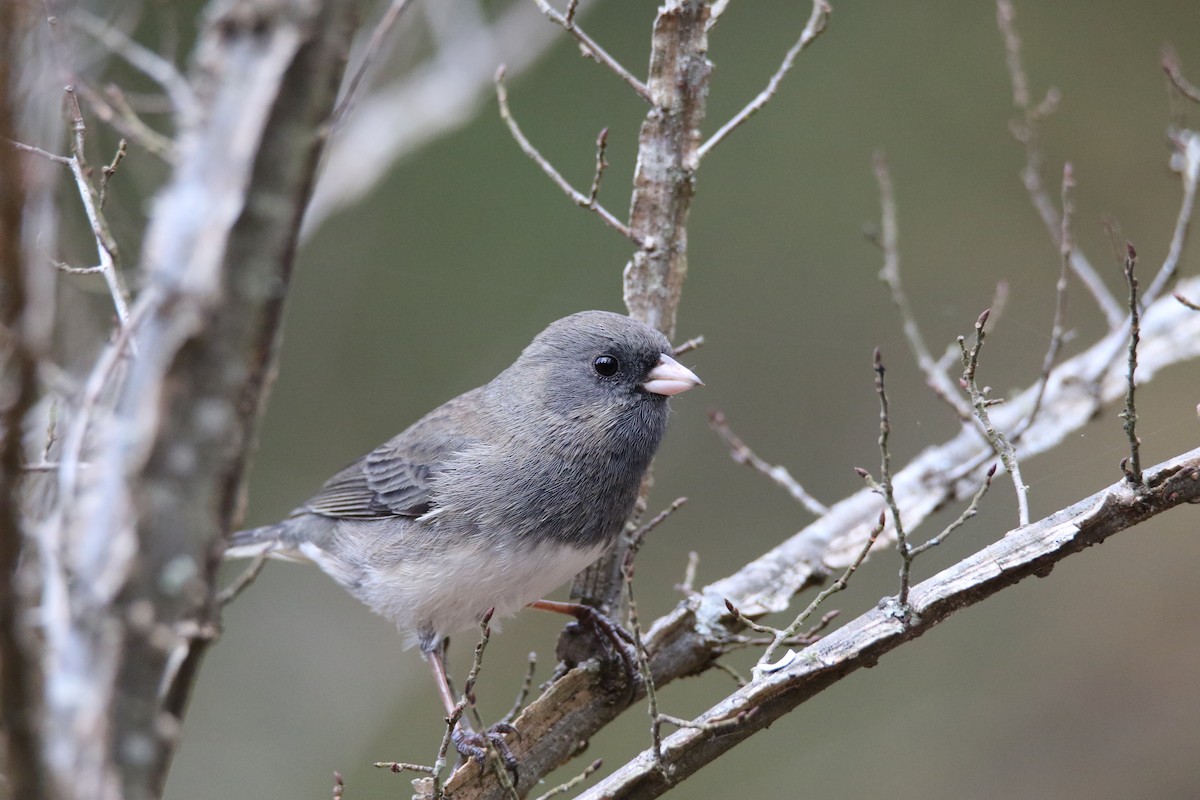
(886,487)
(779,474)
(1132,466)
(1187,162)
(1026,132)
(1170,65)
(635,628)
(818,20)
(141,58)
(386,23)
(694,343)
(37,151)
(638,535)
(764,661)
(116,111)
(339,786)
(110,169)
(601,164)
(526,147)
(745,620)
(935,375)
(738,678)
(523,693)
(563,788)
(591,49)
(67,269)
(106,246)
(689,575)
(1188,303)
(243,581)
(970,511)
(1057,327)
(981,403)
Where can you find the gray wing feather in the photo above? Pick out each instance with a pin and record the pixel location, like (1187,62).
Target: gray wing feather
(396,479)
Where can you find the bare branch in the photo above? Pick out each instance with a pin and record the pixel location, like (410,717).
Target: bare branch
(1020,553)
(145,60)
(378,35)
(1026,132)
(742,454)
(818,20)
(935,375)
(1057,326)
(563,788)
(591,49)
(116,111)
(1187,163)
(1170,65)
(1132,467)
(106,245)
(20,676)
(970,511)
(764,665)
(37,151)
(886,488)
(576,196)
(1193,306)
(981,403)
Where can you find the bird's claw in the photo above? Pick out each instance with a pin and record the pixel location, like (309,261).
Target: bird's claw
(470,744)
(615,637)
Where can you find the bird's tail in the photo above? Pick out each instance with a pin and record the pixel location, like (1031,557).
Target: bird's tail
(255,542)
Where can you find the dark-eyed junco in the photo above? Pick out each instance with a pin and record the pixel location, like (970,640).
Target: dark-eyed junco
(498,496)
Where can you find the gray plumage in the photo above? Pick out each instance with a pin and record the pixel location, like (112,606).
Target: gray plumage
(501,494)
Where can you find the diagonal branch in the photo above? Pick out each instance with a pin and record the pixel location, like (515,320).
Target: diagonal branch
(818,20)
(1018,554)
(593,50)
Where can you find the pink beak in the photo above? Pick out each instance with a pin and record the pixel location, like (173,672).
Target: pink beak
(669,377)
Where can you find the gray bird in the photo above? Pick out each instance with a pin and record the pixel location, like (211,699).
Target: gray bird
(498,496)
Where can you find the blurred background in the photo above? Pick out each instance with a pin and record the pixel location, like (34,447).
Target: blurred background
(1079,685)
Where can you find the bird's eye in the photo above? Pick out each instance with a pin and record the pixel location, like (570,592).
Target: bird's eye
(605,366)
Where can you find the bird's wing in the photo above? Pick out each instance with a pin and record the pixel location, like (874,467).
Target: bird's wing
(396,478)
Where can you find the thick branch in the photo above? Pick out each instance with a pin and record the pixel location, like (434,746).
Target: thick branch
(146,531)
(19,706)
(663,184)
(667,160)
(1020,553)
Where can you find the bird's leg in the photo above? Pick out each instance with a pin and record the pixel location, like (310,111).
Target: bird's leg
(466,741)
(603,627)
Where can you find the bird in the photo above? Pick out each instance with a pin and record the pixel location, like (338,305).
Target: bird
(498,496)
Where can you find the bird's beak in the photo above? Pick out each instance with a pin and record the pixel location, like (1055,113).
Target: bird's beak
(669,377)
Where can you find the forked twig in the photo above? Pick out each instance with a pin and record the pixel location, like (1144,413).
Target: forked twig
(580,199)
(764,664)
(980,402)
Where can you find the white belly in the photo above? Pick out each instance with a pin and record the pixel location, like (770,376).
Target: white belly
(448,592)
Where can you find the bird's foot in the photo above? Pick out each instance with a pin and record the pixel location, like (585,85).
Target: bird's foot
(616,642)
(470,744)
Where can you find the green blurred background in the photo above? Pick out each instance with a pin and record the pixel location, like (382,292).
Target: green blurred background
(1080,685)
